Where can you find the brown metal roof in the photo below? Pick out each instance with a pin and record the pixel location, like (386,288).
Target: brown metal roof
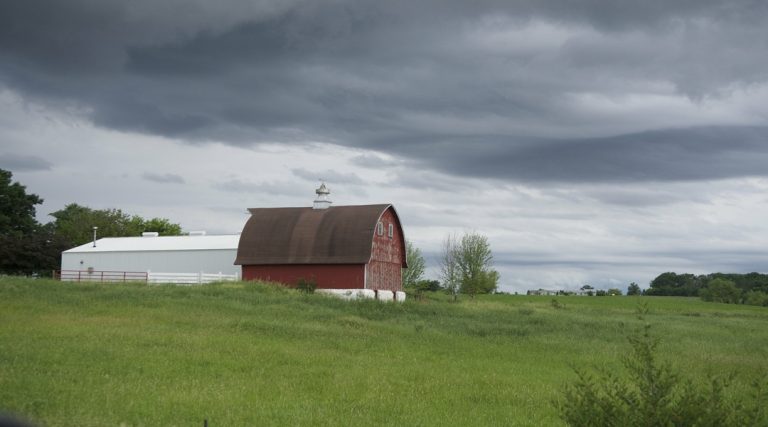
(337,235)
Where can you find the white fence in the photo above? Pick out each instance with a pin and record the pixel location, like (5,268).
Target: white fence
(99,276)
(142,276)
(190,278)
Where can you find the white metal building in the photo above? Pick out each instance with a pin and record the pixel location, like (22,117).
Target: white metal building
(161,254)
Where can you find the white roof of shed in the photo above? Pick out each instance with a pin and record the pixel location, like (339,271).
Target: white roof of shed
(161,243)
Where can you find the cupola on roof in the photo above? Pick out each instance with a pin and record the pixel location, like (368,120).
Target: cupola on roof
(322,201)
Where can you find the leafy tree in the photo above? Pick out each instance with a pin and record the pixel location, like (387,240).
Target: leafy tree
(474,260)
(26,247)
(745,282)
(163,226)
(613,291)
(756,298)
(429,285)
(633,289)
(38,252)
(672,284)
(75,224)
(17,208)
(422,286)
(416,265)
(721,290)
(449,266)
(483,282)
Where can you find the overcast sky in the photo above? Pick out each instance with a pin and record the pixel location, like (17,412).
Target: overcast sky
(593,142)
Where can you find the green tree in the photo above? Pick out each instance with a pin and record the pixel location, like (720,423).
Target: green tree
(37,252)
(26,247)
(429,285)
(756,298)
(633,289)
(449,266)
(163,226)
(474,260)
(613,291)
(721,290)
(17,208)
(422,286)
(483,282)
(416,265)
(673,284)
(75,224)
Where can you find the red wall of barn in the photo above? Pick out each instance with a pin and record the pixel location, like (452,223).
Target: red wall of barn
(383,271)
(327,276)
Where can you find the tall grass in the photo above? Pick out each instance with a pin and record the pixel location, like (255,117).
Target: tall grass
(254,354)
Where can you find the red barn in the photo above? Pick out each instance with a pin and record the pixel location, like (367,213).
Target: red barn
(340,247)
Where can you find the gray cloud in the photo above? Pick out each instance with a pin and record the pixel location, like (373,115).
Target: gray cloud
(523,90)
(330,176)
(278,188)
(22,163)
(374,161)
(667,155)
(167,178)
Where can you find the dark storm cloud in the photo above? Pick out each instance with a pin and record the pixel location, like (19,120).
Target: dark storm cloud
(166,178)
(20,163)
(482,89)
(669,155)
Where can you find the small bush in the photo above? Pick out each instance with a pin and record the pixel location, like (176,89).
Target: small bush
(642,309)
(756,298)
(556,304)
(306,285)
(653,394)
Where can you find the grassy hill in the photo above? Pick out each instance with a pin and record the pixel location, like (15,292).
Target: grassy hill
(252,354)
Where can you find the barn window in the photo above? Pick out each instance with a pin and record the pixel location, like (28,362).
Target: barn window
(380,228)
(391,231)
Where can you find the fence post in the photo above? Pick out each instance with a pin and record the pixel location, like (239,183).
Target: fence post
(200,278)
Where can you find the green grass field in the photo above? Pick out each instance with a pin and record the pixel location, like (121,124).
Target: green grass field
(249,354)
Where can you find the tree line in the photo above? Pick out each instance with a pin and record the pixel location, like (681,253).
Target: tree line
(29,247)
(466,267)
(750,288)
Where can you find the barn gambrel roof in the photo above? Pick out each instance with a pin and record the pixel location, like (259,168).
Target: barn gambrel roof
(337,235)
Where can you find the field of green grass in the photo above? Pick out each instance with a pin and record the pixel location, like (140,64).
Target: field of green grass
(249,354)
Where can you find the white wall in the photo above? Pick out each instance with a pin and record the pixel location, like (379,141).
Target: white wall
(189,261)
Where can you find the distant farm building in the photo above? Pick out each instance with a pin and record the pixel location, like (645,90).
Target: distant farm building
(339,247)
(543,292)
(193,254)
